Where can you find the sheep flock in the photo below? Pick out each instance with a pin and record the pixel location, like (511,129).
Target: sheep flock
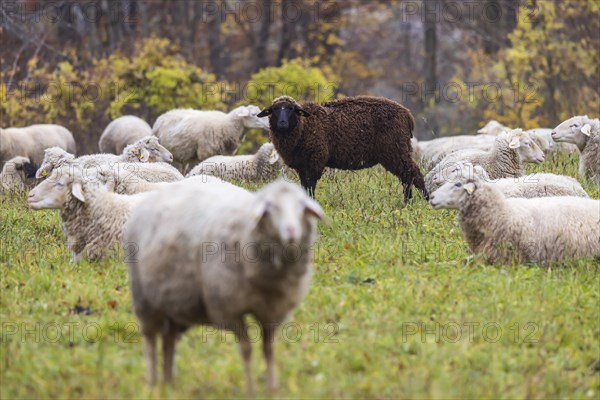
(208,251)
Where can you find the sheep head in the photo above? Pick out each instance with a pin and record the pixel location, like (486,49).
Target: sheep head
(283,114)
(54,157)
(453,194)
(525,146)
(576,130)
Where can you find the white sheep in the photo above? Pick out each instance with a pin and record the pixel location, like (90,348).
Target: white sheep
(17,174)
(193,136)
(504,160)
(31,141)
(493,128)
(121,132)
(539,230)
(145,150)
(584,132)
(433,151)
(532,185)
(265,165)
(210,255)
(92,217)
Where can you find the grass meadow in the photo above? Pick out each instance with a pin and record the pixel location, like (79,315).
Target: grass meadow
(397,309)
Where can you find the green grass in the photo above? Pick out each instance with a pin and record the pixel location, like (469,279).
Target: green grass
(392,291)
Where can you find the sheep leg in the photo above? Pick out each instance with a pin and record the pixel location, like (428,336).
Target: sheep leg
(309,183)
(169,337)
(150,354)
(246,352)
(268,339)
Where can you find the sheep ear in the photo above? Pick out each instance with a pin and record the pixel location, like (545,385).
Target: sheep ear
(483,130)
(264,113)
(586,129)
(469,187)
(41,173)
(243,112)
(273,157)
(144,155)
(76,190)
(301,112)
(260,211)
(313,208)
(514,143)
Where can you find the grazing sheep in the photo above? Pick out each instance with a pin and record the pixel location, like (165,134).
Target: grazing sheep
(504,160)
(352,133)
(584,132)
(121,132)
(17,174)
(210,255)
(92,217)
(519,230)
(193,136)
(145,150)
(265,165)
(533,185)
(31,141)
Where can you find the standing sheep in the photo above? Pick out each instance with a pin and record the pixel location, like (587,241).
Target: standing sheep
(584,132)
(212,254)
(31,141)
(193,136)
(352,133)
(122,131)
(92,217)
(262,166)
(537,230)
(17,174)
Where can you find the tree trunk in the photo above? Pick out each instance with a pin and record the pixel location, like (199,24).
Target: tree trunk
(287,27)
(431,10)
(261,60)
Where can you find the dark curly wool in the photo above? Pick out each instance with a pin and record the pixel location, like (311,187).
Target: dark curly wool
(352,133)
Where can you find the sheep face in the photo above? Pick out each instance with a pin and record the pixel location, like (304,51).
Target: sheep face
(153,151)
(53,193)
(458,171)
(575,130)
(526,147)
(283,116)
(546,145)
(250,117)
(452,195)
(285,214)
(53,156)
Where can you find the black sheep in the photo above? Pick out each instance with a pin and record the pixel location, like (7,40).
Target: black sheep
(351,133)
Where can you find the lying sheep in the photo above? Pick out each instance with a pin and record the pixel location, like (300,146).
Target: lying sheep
(193,136)
(352,133)
(504,160)
(434,151)
(541,230)
(92,217)
(533,185)
(31,141)
(210,255)
(145,150)
(17,174)
(493,128)
(265,165)
(541,136)
(121,132)
(584,132)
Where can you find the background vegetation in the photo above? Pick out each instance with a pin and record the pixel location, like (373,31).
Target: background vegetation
(454,64)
